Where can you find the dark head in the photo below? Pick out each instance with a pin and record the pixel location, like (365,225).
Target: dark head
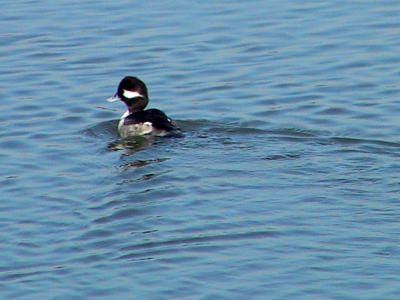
(133,92)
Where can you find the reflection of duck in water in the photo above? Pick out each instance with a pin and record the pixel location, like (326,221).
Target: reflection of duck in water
(137,121)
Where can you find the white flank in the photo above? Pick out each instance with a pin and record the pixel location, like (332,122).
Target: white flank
(130,95)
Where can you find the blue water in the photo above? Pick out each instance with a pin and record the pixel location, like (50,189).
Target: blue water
(285,184)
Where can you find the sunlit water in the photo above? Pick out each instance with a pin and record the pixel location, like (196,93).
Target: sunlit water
(284,185)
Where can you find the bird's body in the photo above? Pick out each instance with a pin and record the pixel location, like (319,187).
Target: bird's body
(136,120)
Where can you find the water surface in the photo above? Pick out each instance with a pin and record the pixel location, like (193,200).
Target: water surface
(285,184)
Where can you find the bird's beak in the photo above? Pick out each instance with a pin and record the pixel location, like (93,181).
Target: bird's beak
(114,98)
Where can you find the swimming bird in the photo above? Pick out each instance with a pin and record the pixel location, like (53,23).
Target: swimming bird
(136,120)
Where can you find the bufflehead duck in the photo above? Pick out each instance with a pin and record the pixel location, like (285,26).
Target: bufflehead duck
(137,121)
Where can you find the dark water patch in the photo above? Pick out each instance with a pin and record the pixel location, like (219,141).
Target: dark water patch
(95,234)
(287,85)
(107,129)
(351,141)
(141,163)
(229,130)
(385,25)
(390,91)
(144,177)
(372,116)
(71,119)
(335,111)
(91,61)
(120,215)
(355,65)
(13,144)
(283,156)
(112,199)
(213,128)
(191,243)
(43,55)
(297,132)
(10,183)
(16,276)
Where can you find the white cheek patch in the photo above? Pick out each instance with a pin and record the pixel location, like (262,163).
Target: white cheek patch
(130,95)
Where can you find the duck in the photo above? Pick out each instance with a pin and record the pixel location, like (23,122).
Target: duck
(137,121)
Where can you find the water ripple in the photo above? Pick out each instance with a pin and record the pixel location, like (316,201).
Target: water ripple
(158,248)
